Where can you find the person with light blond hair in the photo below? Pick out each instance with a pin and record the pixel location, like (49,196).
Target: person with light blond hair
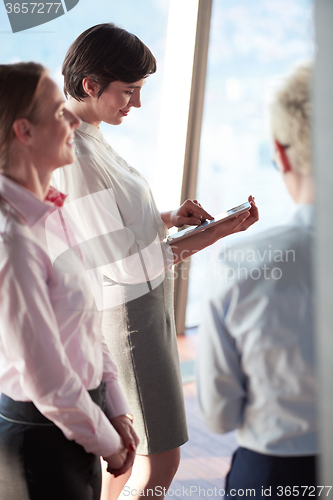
(256,366)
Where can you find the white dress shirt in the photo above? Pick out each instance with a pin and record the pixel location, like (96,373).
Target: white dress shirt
(51,346)
(120,216)
(256,361)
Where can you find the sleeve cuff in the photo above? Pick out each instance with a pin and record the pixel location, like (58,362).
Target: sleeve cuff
(169,258)
(116,401)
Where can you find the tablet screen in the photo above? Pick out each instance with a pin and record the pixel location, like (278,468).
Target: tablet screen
(184,233)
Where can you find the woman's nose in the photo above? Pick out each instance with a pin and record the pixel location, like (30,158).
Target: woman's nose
(136,99)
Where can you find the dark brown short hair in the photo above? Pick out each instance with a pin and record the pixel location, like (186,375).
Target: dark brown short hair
(18,99)
(105,53)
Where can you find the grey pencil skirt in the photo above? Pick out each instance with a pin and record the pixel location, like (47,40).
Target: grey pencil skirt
(140,333)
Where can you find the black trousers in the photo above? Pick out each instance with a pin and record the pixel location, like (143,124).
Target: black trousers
(37,462)
(276,478)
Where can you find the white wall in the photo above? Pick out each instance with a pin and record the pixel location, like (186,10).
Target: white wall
(323,158)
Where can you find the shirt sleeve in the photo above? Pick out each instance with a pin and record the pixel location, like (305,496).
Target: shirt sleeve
(127,255)
(220,380)
(32,344)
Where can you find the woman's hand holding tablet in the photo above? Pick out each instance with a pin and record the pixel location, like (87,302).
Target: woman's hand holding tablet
(221,218)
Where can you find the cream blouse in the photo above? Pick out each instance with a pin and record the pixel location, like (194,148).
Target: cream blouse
(116,208)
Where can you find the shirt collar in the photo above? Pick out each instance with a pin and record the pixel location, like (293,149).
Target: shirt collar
(88,129)
(304,215)
(25,203)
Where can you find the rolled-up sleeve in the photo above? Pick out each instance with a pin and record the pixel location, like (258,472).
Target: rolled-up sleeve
(123,253)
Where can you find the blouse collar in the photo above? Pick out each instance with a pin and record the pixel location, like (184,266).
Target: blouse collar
(88,129)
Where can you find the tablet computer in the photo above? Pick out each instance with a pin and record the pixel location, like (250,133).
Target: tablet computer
(219,219)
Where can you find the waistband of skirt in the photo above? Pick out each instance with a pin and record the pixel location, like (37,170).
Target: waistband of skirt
(26,413)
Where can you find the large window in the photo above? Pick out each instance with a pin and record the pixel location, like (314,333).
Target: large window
(252,44)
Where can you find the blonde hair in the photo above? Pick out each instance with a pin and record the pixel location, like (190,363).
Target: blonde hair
(19,84)
(291,115)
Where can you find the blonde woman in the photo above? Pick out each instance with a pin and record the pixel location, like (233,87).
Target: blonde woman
(55,372)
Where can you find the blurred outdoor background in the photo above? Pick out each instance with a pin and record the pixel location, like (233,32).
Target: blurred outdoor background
(252,46)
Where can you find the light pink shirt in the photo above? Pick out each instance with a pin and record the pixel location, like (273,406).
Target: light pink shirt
(51,346)
(119,211)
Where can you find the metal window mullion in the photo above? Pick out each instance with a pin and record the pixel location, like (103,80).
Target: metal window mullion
(323,154)
(192,147)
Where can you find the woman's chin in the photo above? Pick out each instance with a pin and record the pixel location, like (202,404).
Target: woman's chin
(70,159)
